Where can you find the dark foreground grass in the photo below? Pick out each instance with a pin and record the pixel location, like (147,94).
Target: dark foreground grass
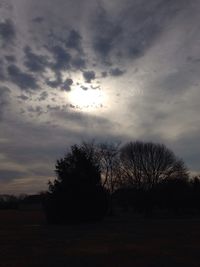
(26,241)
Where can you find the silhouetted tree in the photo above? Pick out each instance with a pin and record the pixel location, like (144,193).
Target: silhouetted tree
(195,193)
(76,195)
(9,202)
(108,154)
(146,164)
(173,195)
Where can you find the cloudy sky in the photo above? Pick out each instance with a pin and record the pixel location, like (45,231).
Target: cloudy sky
(77,70)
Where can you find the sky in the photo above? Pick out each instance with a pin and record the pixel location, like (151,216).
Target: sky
(79,70)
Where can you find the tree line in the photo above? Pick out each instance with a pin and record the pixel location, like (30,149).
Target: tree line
(92,179)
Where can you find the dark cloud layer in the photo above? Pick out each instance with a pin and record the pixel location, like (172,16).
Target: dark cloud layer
(134,30)
(89,76)
(66,86)
(2,71)
(78,63)
(23,97)
(62,58)
(7,32)
(116,72)
(34,62)
(10,58)
(4,100)
(106,34)
(43,96)
(74,41)
(23,80)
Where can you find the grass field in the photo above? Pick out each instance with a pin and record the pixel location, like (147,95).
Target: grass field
(27,241)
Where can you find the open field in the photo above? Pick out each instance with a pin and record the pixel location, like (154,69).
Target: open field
(26,241)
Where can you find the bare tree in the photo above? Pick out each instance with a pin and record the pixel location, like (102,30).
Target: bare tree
(109,164)
(107,156)
(146,164)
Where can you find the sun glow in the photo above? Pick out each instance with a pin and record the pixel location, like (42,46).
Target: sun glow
(88,100)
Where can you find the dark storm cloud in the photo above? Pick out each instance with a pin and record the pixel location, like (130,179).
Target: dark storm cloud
(116,72)
(53,108)
(23,97)
(34,62)
(105,34)
(78,63)
(2,71)
(43,96)
(4,100)
(38,110)
(74,41)
(7,31)
(62,58)
(146,21)
(23,80)
(89,76)
(134,29)
(66,60)
(59,83)
(54,83)
(66,86)
(10,58)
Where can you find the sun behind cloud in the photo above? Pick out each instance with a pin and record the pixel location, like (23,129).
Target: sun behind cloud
(87,100)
